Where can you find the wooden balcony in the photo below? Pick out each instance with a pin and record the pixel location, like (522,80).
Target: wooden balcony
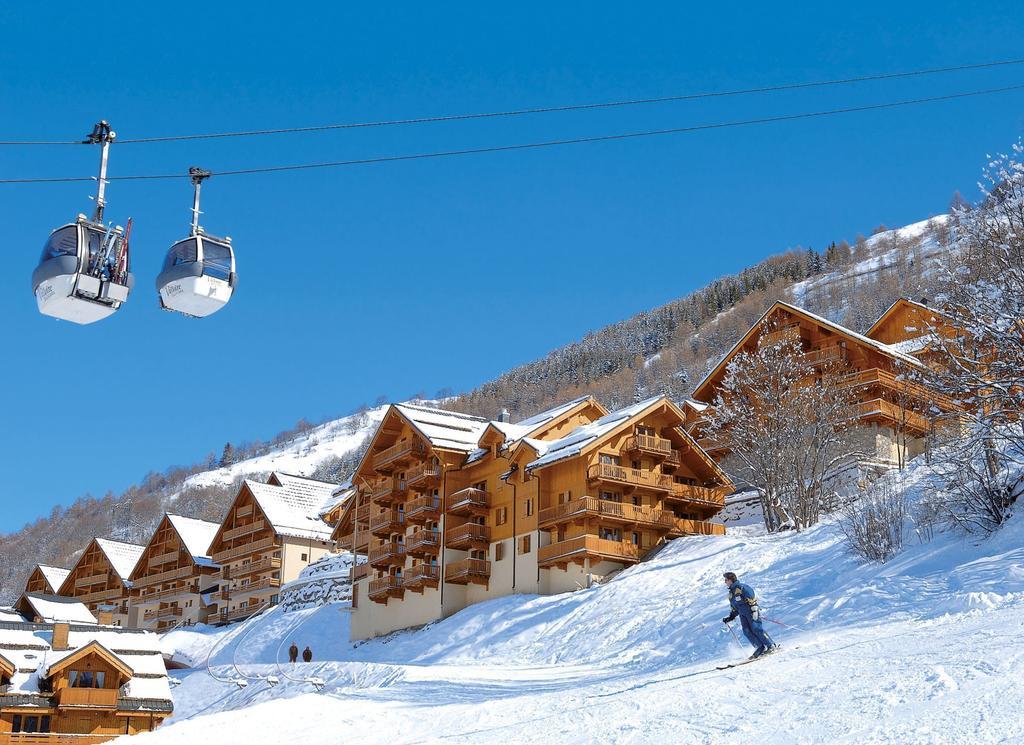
(680,526)
(786,333)
(363,513)
(712,445)
(468,571)
(358,571)
(633,477)
(244,550)
(385,587)
(385,523)
(833,353)
(423,509)
(423,543)
(170,592)
(244,510)
(585,507)
(588,547)
(165,558)
(385,493)
(895,415)
(266,564)
(659,447)
(402,452)
(88,698)
(468,501)
(911,391)
(161,577)
(254,527)
(361,540)
(467,536)
(423,475)
(674,458)
(53,738)
(702,495)
(100,595)
(420,577)
(262,585)
(171,611)
(91,579)
(239,614)
(389,554)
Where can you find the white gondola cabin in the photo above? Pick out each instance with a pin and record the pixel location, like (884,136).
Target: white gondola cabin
(198,276)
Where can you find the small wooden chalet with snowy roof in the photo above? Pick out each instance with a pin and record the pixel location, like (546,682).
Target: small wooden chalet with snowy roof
(46,579)
(453,509)
(174,578)
(270,533)
(894,413)
(71,682)
(42,608)
(100,578)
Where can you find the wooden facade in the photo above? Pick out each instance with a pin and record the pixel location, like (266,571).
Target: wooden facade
(46,580)
(171,576)
(451,509)
(99,578)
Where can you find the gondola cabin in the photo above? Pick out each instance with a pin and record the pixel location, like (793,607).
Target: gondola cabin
(198,275)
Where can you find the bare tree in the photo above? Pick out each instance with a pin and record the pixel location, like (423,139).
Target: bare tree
(787,427)
(873,523)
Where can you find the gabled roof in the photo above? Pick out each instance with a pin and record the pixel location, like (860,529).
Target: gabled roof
(338,497)
(122,556)
(445,430)
(55,576)
(313,487)
(197,535)
(53,608)
(57,661)
(898,305)
(292,511)
(889,351)
(7,667)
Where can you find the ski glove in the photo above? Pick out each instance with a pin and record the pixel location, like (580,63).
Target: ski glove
(730,617)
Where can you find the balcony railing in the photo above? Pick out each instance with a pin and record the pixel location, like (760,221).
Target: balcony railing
(100,596)
(383,492)
(363,513)
(712,444)
(387,522)
(151,597)
(706,496)
(467,536)
(164,558)
(389,553)
(358,571)
(266,564)
(635,477)
(420,576)
(910,390)
(786,333)
(267,583)
(594,507)
(900,416)
(161,577)
(245,549)
(467,501)
(397,452)
(384,587)
(831,353)
(589,546)
(423,542)
(239,613)
(649,444)
(423,473)
(468,571)
(680,526)
(422,509)
(91,579)
(674,458)
(93,698)
(253,527)
(172,611)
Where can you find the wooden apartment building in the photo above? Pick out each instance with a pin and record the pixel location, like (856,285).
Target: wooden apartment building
(46,579)
(173,579)
(894,413)
(270,533)
(100,577)
(452,509)
(64,682)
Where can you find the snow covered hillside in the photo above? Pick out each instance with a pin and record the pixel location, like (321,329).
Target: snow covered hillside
(924,649)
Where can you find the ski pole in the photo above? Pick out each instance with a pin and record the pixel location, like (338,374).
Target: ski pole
(733,632)
(780,623)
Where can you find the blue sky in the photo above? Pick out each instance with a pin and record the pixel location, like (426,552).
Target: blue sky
(394,279)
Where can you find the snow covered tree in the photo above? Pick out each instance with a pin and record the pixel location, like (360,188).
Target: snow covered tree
(227,457)
(787,428)
(873,523)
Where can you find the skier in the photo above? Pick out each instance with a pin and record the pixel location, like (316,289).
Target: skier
(307,655)
(293,653)
(744,604)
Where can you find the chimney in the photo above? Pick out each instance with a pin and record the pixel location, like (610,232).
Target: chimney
(105,617)
(60,636)
(504,416)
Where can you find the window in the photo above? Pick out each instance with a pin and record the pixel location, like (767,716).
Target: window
(564,497)
(611,460)
(611,534)
(216,259)
(636,539)
(610,496)
(86,679)
(528,508)
(63,242)
(524,544)
(637,465)
(305,557)
(499,551)
(501,516)
(32,723)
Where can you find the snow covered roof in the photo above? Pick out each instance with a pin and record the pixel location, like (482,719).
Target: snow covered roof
(697,406)
(293,509)
(338,497)
(122,556)
(52,608)
(447,430)
(574,442)
(54,575)
(197,535)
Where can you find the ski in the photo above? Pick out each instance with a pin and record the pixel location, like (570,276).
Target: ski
(747,662)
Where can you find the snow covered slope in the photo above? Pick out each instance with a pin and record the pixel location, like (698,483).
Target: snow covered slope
(924,649)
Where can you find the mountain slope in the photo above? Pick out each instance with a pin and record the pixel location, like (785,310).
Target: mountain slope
(920,650)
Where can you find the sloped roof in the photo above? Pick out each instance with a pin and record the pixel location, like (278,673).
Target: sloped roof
(338,497)
(54,575)
(293,510)
(574,442)
(122,556)
(52,608)
(313,487)
(56,661)
(197,535)
(892,308)
(447,430)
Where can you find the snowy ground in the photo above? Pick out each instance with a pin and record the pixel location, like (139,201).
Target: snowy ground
(926,649)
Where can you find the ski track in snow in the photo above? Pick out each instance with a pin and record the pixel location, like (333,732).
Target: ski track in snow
(925,649)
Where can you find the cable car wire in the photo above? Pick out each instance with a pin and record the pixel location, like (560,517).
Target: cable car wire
(536,145)
(542,110)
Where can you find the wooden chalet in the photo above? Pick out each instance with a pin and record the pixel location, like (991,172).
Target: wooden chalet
(46,579)
(270,533)
(452,509)
(893,412)
(100,577)
(42,608)
(174,578)
(64,682)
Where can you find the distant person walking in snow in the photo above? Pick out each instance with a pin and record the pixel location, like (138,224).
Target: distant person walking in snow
(293,653)
(307,655)
(744,604)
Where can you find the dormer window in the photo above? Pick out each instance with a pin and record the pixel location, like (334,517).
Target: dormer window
(86,679)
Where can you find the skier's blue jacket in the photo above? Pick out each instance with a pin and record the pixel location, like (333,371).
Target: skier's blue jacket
(743,602)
